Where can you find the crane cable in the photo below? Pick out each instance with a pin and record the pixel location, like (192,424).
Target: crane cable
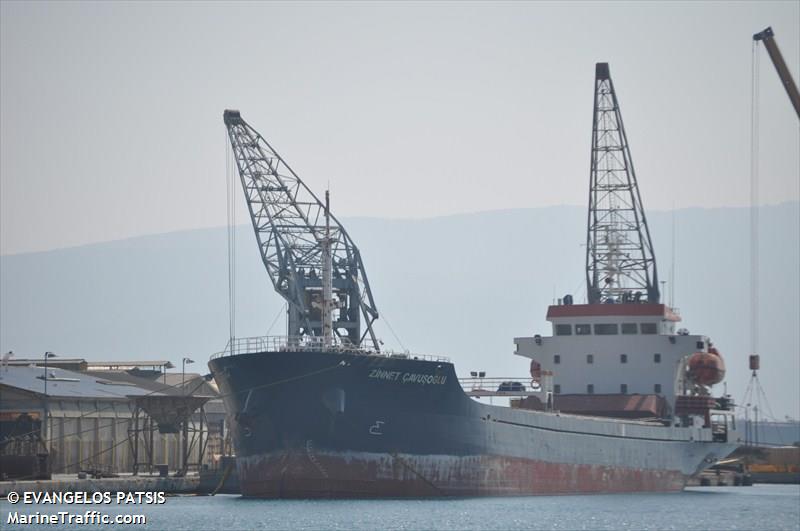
(396,337)
(754,391)
(284,309)
(230,189)
(754,221)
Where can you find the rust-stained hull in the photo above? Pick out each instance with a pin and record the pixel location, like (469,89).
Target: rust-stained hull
(371,476)
(337,425)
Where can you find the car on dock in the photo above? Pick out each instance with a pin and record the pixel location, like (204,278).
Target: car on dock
(511,387)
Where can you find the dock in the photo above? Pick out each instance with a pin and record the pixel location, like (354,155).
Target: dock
(188,484)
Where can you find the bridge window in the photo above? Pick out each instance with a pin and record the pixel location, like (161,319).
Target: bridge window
(556,359)
(590,389)
(589,358)
(583,329)
(701,345)
(623,358)
(648,328)
(607,329)
(623,388)
(657,388)
(557,389)
(563,329)
(629,328)
(656,358)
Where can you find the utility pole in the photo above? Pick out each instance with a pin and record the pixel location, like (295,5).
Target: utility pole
(47,355)
(183,373)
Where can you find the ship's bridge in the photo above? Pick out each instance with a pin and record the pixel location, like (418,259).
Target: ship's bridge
(623,348)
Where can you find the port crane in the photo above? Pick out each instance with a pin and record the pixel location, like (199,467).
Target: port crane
(311,260)
(620,262)
(755,392)
(768,38)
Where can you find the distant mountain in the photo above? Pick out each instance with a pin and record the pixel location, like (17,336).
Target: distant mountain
(461,286)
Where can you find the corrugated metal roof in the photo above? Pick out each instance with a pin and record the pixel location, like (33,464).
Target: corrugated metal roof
(95,365)
(68,384)
(70,364)
(51,361)
(194,382)
(91,363)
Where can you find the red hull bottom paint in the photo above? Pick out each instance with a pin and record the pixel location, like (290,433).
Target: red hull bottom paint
(305,474)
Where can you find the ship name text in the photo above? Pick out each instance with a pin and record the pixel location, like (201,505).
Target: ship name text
(407,377)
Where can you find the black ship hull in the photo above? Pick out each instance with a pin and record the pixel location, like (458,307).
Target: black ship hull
(331,424)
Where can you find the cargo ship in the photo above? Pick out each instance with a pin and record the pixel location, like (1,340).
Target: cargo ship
(618,399)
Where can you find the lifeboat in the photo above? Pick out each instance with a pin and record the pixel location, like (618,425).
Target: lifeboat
(536,371)
(706,368)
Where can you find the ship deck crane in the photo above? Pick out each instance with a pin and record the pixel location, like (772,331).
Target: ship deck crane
(311,260)
(768,38)
(620,261)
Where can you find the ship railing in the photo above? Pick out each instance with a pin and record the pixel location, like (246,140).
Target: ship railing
(254,345)
(410,356)
(499,386)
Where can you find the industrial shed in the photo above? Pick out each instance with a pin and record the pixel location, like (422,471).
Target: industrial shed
(85,420)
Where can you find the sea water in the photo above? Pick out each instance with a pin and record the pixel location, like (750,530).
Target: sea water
(768,507)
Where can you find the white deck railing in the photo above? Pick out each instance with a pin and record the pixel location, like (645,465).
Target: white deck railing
(496,386)
(254,345)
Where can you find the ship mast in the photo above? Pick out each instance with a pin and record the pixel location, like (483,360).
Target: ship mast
(299,240)
(327,277)
(620,263)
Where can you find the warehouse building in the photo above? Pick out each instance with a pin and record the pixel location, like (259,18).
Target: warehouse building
(95,418)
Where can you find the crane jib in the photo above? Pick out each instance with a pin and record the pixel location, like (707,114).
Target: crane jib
(310,259)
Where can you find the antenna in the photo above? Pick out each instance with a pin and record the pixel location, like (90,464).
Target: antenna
(674,261)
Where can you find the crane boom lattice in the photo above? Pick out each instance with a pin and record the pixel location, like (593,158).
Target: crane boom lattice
(620,263)
(300,242)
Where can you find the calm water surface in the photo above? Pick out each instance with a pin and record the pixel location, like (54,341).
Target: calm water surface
(759,507)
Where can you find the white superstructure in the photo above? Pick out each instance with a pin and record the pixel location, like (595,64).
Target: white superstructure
(620,349)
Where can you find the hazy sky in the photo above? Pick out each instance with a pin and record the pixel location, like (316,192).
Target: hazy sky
(111,113)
